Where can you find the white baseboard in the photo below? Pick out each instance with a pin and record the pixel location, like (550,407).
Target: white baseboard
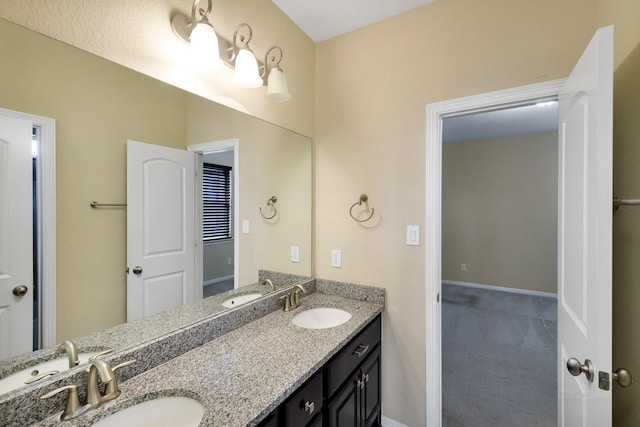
(217,280)
(500,288)
(388,422)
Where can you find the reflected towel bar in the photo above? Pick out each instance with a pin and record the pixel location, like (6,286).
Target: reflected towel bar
(627,202)
(95,204)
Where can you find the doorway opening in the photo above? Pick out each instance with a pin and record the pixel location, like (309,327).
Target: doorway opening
(499,266)
(217,230)
(36,168)
(436,113)
(217,222)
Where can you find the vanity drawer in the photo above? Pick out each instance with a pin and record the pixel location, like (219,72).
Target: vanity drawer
(305,403)
(350,357)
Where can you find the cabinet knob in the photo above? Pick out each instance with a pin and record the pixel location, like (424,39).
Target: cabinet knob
(309,407)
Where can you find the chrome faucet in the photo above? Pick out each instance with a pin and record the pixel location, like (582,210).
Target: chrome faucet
(72,352)
(101,368)
(292,299)
(270,283)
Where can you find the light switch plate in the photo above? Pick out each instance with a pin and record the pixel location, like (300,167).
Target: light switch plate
(295,254)
(245,226)
(413,235)
(336,258)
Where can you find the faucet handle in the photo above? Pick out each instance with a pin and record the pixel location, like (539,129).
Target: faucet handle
(112,390)
(124,364)
(102,353)
(72,408)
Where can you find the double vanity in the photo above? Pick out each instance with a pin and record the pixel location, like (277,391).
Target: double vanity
(256,364)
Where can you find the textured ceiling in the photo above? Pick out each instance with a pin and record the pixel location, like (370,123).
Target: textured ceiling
(324,19)
(499,123)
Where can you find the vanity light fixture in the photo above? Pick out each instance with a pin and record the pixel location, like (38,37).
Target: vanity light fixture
(212,51)
(200,35)
(246,73)
(277,90)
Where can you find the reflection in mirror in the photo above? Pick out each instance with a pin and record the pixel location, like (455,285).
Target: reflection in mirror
(97,106)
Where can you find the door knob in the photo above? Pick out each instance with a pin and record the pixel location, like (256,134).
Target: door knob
(137,270)
(20,290)
(576,368)
(623,377)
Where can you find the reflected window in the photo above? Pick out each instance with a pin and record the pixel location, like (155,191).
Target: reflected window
(216,202)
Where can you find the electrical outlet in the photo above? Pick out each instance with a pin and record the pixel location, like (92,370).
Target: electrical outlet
(295,254)
(336,258)
(463,267)
(245,226)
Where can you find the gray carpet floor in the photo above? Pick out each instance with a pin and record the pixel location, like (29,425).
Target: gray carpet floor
(498,358)
(217,288)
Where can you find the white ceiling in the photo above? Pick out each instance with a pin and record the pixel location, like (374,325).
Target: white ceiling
(324,19)
(523,120)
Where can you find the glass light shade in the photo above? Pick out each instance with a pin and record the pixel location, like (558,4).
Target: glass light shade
(204,43)
(246,70)
(277,90)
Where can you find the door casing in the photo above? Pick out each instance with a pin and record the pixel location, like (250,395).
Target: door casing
(435,113)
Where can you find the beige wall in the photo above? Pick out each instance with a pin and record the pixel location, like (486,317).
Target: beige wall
(138,34)
(98,106)
(626,184)
(500,211)
(372,86)
(215,258)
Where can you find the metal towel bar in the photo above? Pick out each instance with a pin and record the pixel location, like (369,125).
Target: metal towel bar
(626,202)
(95,205)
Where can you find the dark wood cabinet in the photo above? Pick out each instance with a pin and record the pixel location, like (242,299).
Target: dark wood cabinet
(357,402)
(345,392)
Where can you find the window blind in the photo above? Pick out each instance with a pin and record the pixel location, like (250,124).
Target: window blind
(216,202)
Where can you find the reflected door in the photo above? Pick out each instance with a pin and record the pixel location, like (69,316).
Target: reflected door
(160,228)
(16,237)
(584,236)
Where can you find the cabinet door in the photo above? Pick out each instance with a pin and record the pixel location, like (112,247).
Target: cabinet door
(371,391)
(305,403)
(343,409)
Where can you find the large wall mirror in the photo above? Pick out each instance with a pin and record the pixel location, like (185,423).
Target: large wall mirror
(98,106)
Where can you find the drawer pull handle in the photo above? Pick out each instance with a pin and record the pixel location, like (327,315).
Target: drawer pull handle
(309,407)
(365,378)
(361,350)
(360,384)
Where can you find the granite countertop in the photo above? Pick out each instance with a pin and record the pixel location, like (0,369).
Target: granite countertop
(242,376)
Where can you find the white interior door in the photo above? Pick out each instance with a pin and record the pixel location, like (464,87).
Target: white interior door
(160,228)
(16,237)
(584,234)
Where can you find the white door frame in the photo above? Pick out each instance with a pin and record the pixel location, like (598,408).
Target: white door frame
(212,147)
(47,196)
(435,113)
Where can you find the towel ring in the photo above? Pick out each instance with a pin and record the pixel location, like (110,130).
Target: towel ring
(363,199)
(271,202)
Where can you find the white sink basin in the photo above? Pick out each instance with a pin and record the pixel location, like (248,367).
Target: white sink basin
(17,380)
(239,300)
(174,411)
(321,318)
